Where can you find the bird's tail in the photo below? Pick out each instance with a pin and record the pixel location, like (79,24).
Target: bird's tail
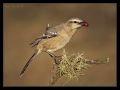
(29,61)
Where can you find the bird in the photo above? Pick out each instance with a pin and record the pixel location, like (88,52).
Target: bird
(55,38)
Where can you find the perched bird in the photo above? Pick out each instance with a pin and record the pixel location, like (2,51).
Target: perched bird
(55,38)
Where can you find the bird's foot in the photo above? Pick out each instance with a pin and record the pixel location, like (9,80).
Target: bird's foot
(57,59)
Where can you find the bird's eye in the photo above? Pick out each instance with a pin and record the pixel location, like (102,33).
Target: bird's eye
(75,21)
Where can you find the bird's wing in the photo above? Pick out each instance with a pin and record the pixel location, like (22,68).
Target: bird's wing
(47,35)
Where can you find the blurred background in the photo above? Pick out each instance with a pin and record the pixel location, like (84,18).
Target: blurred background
(22,23)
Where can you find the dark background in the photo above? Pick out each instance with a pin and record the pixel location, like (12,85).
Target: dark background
(22,23)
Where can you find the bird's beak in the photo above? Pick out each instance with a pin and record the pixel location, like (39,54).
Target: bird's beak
(84,23)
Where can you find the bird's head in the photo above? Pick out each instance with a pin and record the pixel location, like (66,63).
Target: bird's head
(76,23)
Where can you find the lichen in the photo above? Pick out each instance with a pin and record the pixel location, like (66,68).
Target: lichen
(71,66)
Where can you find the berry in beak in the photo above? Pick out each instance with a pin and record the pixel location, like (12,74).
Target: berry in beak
(84,23)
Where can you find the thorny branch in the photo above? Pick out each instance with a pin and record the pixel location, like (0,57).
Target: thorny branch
(72,66)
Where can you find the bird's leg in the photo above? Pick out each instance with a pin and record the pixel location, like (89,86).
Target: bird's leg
(51,54)
(56,58)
